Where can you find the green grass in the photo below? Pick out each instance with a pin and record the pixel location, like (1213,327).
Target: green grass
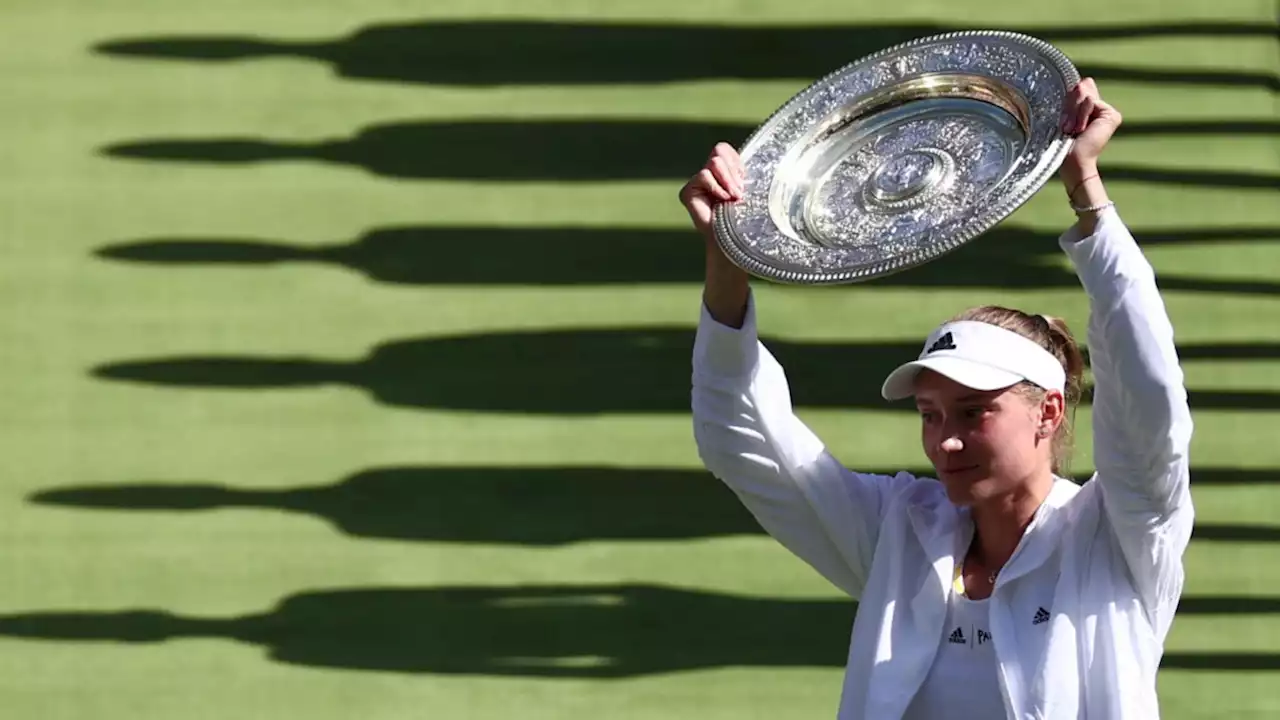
(352,597)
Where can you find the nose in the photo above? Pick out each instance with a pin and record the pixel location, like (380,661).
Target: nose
(952,444)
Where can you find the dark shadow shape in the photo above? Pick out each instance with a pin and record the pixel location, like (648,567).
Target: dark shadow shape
(540,53)
(1219,476)
(529,150)
(1199,127)
(1006,257)
(1231,351)
(545,150)
(607,631)
(525,506)
(580,371)
(1183,76)
(1226,662)
(562,371)
(539,506)
(588,631)
(1211,532)
(1205,178)
(1228,605)
(1242,400)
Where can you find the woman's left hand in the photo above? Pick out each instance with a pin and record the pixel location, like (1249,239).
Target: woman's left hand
(1093,122)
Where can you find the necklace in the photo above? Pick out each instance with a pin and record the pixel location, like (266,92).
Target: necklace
(958,579)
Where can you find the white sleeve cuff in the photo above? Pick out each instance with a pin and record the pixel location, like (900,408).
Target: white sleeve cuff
(725,351)
(1108,260)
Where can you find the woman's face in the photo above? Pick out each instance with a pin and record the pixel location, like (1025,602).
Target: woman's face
(983,444)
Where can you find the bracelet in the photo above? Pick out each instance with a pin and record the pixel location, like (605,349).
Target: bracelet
(1071,193)
(1093,208)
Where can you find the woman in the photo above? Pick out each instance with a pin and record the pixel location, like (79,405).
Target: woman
(999,589)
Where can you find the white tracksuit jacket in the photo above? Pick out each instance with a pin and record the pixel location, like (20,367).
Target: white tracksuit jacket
(1105,557)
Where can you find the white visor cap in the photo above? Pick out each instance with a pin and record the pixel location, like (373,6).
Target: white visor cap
(980,356)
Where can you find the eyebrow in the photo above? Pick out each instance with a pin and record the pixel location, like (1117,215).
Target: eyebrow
(971,397)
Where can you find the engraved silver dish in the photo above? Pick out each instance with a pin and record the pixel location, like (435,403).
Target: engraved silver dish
(898,158)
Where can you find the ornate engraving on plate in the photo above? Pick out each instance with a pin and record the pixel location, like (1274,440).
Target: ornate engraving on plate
(898,158)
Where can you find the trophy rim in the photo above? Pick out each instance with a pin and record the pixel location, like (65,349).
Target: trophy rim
(731,241)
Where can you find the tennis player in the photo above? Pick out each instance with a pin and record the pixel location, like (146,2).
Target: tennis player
(998,589)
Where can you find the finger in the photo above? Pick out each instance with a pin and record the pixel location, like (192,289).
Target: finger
(709,185)
(699,210)
(1074,107)
(1072,98)
(1109,112)
(733,160)
(699,187)
(1086,89)
(724,174)
(1085,115)
(722,150)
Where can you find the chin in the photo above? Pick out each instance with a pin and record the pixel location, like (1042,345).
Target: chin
(965,491)
(961,496)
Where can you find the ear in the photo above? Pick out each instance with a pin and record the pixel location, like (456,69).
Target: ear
(1052,413)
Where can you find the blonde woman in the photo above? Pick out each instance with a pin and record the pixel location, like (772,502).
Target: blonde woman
(998,589)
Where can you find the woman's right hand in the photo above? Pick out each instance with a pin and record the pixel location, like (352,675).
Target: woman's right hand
(720,180)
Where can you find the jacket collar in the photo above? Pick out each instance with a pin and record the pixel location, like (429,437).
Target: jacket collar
(945,531)
(938,525)
(1041,538)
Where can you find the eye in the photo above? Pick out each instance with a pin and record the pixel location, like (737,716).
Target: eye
(973,413)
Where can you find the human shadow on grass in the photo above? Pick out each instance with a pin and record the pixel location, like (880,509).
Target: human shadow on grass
(585,371)
(543,150)
(534,506)
(1236,533)
(530,52)
(566,631)
(525,506)
(1005,257)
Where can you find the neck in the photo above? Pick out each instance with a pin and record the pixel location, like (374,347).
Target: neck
(1000,522)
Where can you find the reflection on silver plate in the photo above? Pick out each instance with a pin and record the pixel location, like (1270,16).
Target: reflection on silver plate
(898,158)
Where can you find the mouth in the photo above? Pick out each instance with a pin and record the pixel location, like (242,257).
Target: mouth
(956,472)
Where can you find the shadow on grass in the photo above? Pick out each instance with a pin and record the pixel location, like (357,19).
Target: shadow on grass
(1236,533)
(482,53)
(584,371)
(589,631)
(534,506)
(1005,257)
(544,150)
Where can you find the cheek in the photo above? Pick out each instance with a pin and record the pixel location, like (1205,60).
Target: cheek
(1013,437)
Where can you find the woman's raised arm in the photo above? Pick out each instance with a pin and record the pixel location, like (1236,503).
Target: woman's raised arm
(746,432)
(1142,424)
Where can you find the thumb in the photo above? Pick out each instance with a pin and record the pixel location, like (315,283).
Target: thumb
(1105,118)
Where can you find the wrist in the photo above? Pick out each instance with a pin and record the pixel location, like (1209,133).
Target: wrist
(1073,173)
(1088,192)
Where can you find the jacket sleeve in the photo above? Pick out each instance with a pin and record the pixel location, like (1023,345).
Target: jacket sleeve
(749,438)
(1142,424)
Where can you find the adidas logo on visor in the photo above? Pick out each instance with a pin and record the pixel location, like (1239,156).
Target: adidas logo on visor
(946,342)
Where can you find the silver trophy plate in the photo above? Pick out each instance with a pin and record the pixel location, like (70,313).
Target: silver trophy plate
(898,158)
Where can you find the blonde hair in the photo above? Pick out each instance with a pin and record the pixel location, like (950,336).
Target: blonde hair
(1053,335)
